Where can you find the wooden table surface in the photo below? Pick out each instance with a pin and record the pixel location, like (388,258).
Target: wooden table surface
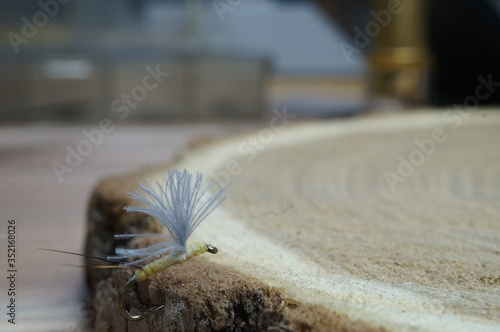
(50,213)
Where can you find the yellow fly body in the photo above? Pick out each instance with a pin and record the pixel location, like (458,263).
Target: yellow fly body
(180,204)
(178,257)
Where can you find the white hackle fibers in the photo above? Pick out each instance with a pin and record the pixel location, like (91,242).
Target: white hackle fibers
(180,203)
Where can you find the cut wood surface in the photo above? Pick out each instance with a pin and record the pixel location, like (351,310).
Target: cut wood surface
(50,295)
(379,223)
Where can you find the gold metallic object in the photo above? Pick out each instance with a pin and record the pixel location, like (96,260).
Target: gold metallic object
(399,60)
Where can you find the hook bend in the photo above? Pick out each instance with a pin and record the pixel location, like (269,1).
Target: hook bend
(124,309)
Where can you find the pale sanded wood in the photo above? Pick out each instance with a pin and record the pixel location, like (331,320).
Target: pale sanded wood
(312,220)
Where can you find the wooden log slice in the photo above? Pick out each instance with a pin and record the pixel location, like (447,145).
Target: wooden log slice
(382,223)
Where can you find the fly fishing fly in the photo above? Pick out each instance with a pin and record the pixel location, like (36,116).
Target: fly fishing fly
(180,203)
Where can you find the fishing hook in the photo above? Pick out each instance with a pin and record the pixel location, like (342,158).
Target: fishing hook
(124,309)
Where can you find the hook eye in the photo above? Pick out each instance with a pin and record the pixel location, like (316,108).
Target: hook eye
(211,249)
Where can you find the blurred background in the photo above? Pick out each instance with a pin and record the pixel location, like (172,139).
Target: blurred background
(64,60)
